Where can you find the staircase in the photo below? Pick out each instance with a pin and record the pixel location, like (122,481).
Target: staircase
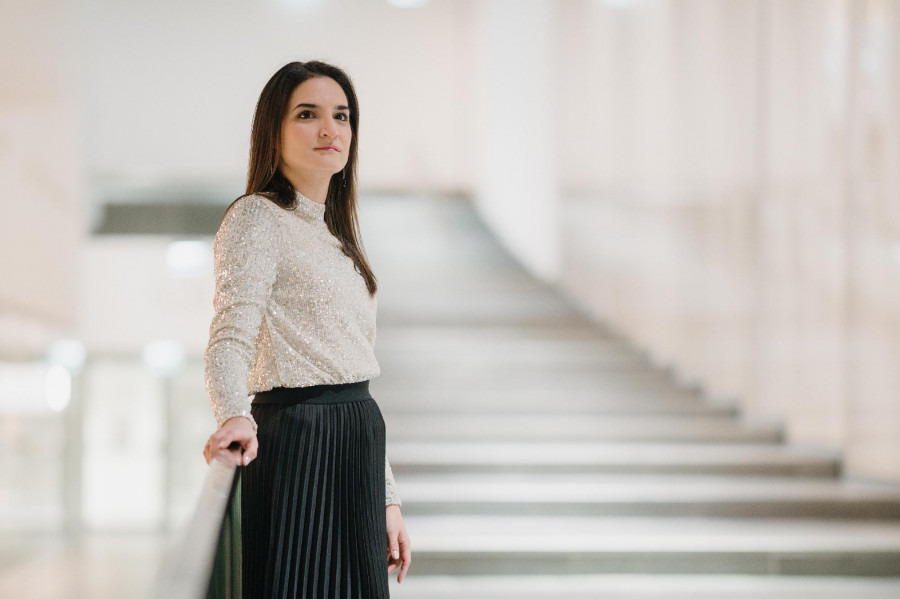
(539,456)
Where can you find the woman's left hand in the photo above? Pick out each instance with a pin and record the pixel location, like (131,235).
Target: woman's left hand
(399,554)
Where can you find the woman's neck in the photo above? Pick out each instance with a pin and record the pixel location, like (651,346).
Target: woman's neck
(314,186)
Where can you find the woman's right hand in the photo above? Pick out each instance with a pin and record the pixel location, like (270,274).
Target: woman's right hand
(235,430)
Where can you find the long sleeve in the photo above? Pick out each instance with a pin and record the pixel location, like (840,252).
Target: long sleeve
(393,497)
(246,258)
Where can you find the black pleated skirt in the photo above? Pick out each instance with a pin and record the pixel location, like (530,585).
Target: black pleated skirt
(313,501)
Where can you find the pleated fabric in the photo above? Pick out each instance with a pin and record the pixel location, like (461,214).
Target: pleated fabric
(312,502)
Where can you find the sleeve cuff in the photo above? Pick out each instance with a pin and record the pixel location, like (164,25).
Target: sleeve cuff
(393,499)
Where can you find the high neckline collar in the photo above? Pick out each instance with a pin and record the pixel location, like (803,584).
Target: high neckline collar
(308,207)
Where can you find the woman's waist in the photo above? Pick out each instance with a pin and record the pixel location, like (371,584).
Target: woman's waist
(315,394)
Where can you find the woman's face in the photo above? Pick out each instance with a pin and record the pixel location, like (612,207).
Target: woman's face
(316,133)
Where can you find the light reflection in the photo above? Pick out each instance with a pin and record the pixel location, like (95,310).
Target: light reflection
(58,387)
(188,259)
(23,389)
(408,3)
(68,353)
(621,4)
(164,358)
(300,4)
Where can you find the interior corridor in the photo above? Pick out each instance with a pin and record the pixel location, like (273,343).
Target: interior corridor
(639,278)
(539,456)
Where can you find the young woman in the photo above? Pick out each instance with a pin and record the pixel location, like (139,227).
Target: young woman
(294,324)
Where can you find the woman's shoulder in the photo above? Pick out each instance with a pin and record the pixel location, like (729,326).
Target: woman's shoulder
(253,203)
(250,214)
(252,207)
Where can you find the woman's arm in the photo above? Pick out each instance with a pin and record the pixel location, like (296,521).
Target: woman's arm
(246,256)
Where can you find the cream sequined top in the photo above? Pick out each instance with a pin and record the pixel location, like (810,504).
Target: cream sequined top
(290,309)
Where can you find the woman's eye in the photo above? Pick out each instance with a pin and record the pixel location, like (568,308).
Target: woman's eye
(305,114)
(341,116)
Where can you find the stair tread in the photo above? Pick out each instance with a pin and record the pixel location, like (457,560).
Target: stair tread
(538,487)
(576,534)
(475,452)
(493,426)
(643,586)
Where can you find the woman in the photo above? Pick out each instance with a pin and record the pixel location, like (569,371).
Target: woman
(294,324)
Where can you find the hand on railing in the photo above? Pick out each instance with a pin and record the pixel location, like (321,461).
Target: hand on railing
(234,443)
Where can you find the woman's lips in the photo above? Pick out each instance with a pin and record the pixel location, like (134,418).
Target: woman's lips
(328,148)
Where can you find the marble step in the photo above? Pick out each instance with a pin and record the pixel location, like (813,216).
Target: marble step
(637,458)
(430,392)
(541,545)
(587,335)
(643,495)
(489,306)
(641,586)
(494,347)
(551,426)
(505,361)
(562,388)
(552,377)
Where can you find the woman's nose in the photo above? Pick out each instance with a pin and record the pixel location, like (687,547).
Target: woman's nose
(329,129)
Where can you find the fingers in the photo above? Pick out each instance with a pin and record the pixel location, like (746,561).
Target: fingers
(216,442)
(399,552)
(234,443)
(250,449)
(394,547)
(224,437)
(232,452)
(210,450)
(393,543)
(406,556)
(232,457)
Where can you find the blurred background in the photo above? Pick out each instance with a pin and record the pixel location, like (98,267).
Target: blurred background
(639,265)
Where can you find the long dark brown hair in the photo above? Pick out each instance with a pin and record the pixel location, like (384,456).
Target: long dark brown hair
(264,178)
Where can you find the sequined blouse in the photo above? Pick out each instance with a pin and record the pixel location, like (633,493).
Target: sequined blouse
(291,310)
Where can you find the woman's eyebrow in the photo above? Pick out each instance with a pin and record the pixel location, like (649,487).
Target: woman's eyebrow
(305,105)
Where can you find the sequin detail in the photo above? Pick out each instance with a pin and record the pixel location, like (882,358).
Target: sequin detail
(290,309)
